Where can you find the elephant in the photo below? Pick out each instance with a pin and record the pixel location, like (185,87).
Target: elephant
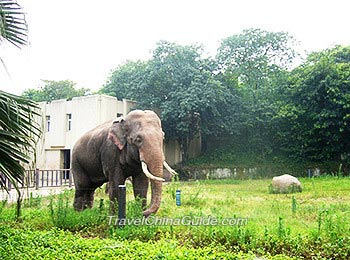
(130,146)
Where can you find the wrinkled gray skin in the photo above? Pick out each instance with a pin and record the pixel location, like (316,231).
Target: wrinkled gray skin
(112,152)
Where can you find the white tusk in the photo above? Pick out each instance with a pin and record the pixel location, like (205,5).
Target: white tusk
(172,171)
(148,174)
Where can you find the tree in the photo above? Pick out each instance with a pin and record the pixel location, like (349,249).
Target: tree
(126,79)
(17,126)
(319,106)
(255,55)
(180,84)
(191,99)
(258,60)
(53,90)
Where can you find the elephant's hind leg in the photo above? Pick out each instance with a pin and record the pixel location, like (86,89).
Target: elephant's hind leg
(84,189)
(79,198)
(84,198)
(89,197)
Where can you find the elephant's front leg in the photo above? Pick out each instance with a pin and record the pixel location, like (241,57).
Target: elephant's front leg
(140,185)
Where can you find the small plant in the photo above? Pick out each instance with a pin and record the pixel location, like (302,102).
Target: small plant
(32,201)
(59,211)
(294,204)
(340,173)
(319,221)
(282,231)
(2,206)
(134,208)
(194,198)
(173,186)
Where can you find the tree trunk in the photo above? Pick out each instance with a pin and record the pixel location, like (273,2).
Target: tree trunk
(184,145)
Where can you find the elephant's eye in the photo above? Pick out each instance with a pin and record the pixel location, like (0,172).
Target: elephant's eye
(138,141)
(126,129)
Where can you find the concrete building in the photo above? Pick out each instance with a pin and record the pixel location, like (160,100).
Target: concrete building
(65,121)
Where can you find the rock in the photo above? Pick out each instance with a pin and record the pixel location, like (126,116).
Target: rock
(285,184)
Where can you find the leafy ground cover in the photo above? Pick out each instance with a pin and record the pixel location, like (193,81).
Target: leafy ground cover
(313,224)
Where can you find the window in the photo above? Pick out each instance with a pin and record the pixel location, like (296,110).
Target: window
(119,114)
(69,122)
(48,123)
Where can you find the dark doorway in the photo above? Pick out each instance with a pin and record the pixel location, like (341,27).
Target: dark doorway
(66,162)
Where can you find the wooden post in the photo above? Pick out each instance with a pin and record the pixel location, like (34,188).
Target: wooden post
(70,178)
(121,205)
(309,173)
(37,179)
(9,184)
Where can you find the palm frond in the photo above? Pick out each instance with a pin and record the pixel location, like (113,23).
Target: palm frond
(19,131)
(13,26)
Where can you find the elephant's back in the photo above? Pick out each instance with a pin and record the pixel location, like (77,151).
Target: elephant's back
(86,152)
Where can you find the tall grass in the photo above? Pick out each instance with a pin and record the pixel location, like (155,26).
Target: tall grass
(63,215)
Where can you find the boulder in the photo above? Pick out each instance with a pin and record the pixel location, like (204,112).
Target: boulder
(285,184)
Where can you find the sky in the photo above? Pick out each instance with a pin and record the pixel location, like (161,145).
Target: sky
(85,40)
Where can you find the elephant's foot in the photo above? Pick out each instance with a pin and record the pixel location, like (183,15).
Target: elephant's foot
(146,213)
(83,200)
(78,205)
(150,211)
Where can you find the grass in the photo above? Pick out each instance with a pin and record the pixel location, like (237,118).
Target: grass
(311,225)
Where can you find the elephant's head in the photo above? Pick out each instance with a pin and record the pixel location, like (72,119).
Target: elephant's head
(142,129)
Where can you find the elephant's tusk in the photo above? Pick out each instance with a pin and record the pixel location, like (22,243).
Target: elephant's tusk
(148,174)
(172,171)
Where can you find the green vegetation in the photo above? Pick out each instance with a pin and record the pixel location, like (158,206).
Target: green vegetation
(319,103)
(178,83)
(19,131)
(18,128)
(311,224)
(53,90)
(247,99)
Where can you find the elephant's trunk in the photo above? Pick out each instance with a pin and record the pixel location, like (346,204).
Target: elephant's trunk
(155,166)
(156,187)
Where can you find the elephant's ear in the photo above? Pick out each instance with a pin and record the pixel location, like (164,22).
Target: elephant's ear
(117,133)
